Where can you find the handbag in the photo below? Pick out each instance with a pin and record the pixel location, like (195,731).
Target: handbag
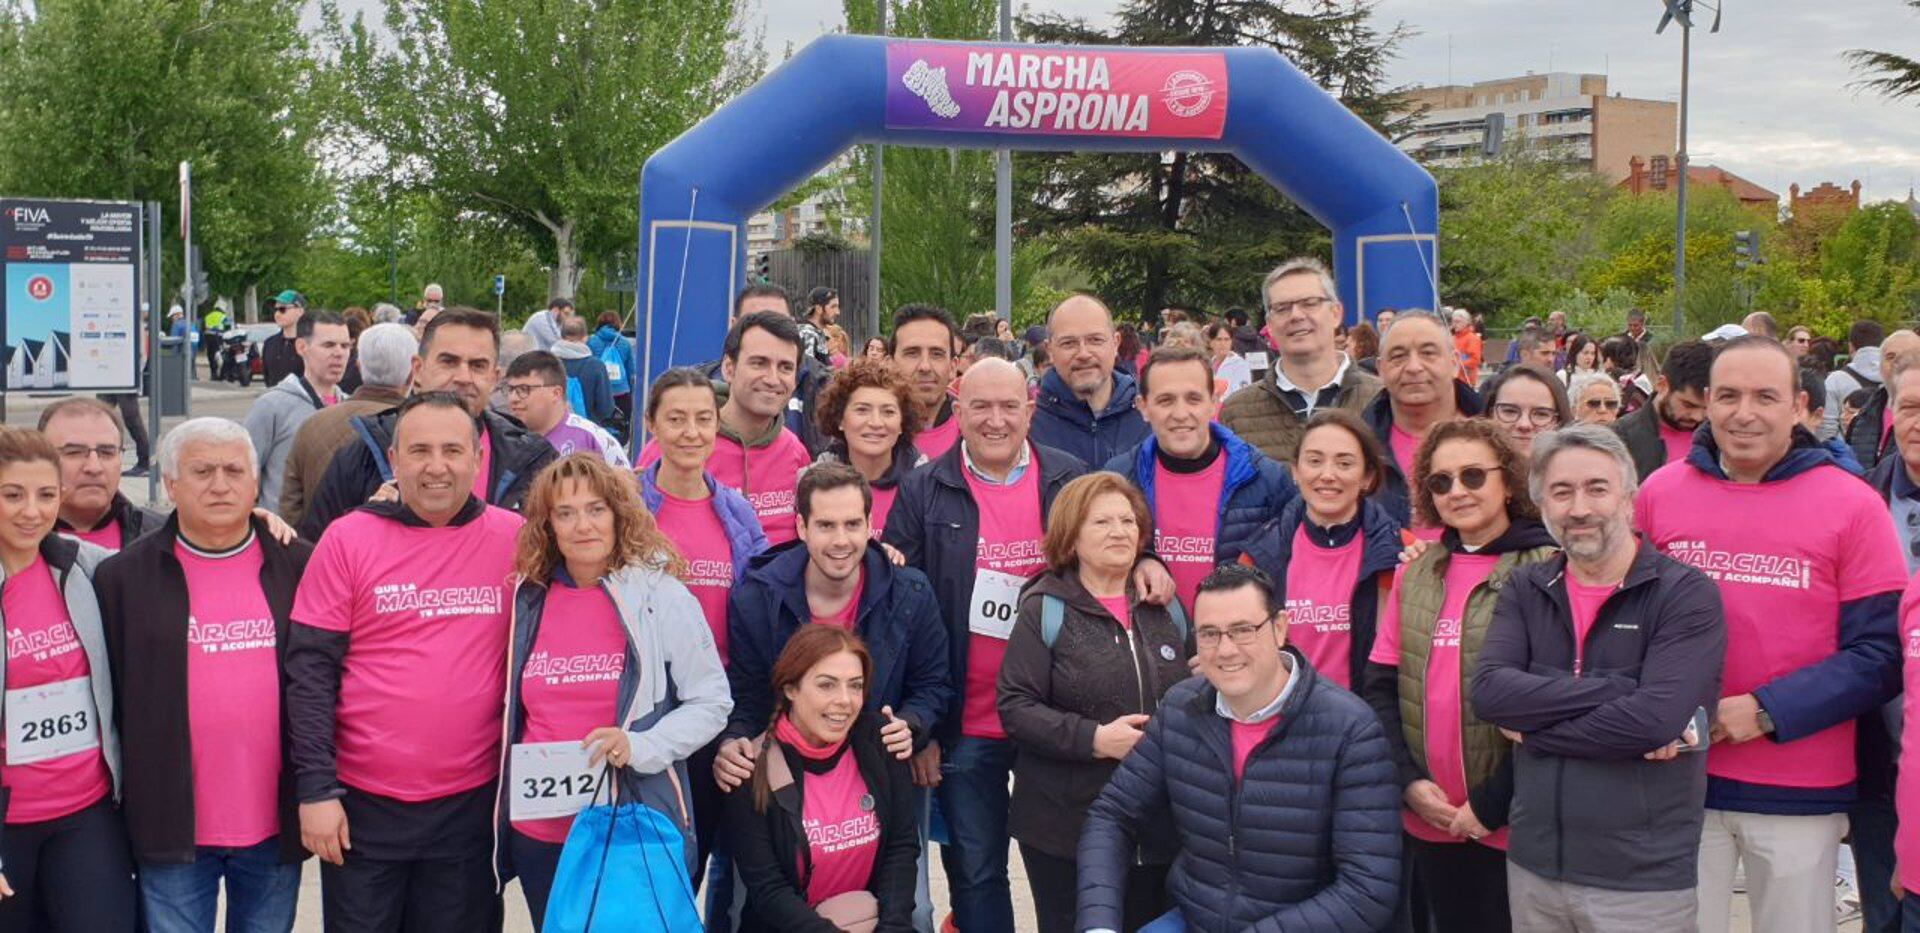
(622,869)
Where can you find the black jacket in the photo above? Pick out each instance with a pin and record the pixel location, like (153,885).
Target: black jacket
(1867,434)
(770,850)
(1052,698)
(356,473)
(278,359)
(134,520)
(1640,431)
(1271,550)
(1652,658)
(145,609)
(936,525)
(1392,494)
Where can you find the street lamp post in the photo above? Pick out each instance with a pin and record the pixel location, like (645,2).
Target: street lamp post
(1681,11)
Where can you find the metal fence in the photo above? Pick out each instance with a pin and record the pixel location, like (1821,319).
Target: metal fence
(848,272)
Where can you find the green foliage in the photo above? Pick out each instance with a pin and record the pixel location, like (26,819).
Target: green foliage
(104,98)
(1515,233)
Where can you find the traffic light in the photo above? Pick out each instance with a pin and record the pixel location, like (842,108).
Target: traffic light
(1746,249)
(763,268)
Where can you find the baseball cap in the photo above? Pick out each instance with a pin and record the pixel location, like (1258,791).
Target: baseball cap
(290,297)
(1724,332)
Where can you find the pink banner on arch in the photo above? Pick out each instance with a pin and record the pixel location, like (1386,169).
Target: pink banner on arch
(1055,90)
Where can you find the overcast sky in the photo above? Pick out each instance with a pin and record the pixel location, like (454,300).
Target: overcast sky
(1771,100)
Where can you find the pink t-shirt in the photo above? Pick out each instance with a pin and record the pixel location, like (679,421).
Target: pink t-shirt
(571,683)
(486,466)
(1446,759)
(1009,546)
(233,698)
(766,475)
(1117,607)
(938,439)
(1585,601)
(1245,737)
(1906,840)
(843,832)
(1404,447)
(43,648)
(1319,588)
(882,504)
(107,535)
(847,614)
(1785,555)
(1186,523)
(427,614)
(695,530)
(1679,443)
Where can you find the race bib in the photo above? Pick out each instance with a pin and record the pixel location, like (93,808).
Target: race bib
(551,779)
(995,595)
(1256,361)
(613,371)
(51,721)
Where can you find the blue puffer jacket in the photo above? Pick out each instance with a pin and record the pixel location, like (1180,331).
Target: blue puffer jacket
(897,617)
(1063,422)
(1307,840)
(1254,491)
(745,538)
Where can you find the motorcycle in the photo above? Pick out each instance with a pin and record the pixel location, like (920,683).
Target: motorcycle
(236,358)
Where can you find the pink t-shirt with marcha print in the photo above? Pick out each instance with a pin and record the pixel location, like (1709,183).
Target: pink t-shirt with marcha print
(571,684)
(233,698)
(426,612)
(1319,587)
(1186,523)
(937,440)
(843,832)
(1010,550)
(882,506)
(1446,756)
(695,530)
(1785,555)
(44,648)
(766,476)
(848,614)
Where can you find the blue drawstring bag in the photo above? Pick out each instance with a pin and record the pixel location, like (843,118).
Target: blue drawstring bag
(623,870)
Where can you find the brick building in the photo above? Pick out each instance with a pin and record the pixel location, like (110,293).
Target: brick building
(1569,115)
(1656,174)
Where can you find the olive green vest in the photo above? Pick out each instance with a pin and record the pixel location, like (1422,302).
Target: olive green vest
(1423,592)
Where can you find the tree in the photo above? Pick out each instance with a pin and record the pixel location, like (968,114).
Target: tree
(536,116)
(1889,73)
(103,99)
(1515,232)
(1198,228)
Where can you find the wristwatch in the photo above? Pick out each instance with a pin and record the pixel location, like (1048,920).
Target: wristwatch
(1766,721)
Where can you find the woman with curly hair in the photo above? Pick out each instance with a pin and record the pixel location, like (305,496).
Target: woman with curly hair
(610,654)
(1455,770)
(867,415)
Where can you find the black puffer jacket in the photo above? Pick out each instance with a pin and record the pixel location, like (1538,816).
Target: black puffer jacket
(1052,698)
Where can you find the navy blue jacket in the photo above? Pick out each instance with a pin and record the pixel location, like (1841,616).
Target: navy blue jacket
(1308,839)
(936,524)
(1271,550)
(1861,675)
(897,618)
(1254,490)
(1393,494)
(594,387)
(1064,422)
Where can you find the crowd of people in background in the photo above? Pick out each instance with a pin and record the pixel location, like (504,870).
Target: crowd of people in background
(1299,619)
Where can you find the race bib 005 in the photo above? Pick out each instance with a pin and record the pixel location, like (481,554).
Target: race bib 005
(995,597)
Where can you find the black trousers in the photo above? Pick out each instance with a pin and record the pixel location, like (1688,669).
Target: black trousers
(1056,888)
(70,874)
(534,863)
(129,405)
(415,867)
(1462,885)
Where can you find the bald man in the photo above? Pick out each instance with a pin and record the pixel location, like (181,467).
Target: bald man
(1086,407)
(972,520)
(1871,434)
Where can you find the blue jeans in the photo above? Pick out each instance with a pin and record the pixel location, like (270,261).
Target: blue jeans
(1870,825)
(1910,914)
(261,892)
(973,795)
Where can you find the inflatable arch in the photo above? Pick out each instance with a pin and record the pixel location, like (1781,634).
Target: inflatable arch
(697,192)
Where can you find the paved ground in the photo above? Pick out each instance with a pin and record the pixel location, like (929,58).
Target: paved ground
(230,401)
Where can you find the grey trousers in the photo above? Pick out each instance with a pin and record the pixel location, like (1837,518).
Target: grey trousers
(1542,906)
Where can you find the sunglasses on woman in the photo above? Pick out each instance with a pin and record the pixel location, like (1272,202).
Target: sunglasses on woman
(1472,478)
(1602,404)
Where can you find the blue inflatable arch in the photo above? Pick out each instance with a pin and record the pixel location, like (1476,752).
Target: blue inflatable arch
(698,191)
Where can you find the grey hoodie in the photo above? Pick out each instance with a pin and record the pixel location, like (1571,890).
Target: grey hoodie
(1840,384)
(272,421)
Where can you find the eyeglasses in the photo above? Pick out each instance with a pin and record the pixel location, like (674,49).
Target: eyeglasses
(1507,413)
(1309,305)
(82,451)
(1068,346)
(524,391)
(1472,478)
(1209,638)
(1602,404)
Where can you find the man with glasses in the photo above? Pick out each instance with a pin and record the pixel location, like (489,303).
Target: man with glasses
(1313,374)
(1086,407)
(1808,565)
(1282,792)
(86,432)
(1872,818)
(1870,434)
(537,395)
(279,357)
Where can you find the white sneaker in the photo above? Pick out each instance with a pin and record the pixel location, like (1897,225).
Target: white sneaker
(1846,902)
